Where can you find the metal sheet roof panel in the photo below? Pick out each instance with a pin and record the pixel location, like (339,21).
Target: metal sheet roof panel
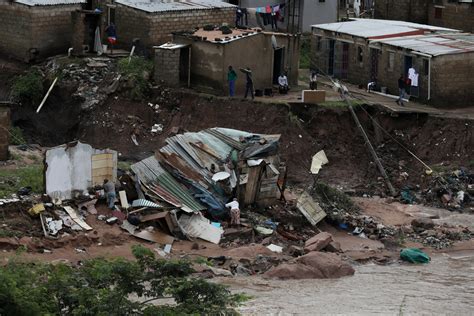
(367,28)
(155,6)
(32,3)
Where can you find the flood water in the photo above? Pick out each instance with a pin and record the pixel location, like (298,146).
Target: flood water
(445,286)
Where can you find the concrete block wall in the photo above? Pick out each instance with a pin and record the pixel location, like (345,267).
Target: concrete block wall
(162,25)
(15,30)
(454,15)
(130,24)
(451,80)
(46,28)
(156,28)
(167,66)
(404,10)
(4,129)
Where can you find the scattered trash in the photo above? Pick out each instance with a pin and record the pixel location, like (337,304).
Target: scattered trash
(263,231)
(275,248)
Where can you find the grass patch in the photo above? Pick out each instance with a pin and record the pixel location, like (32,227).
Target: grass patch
(14,179)
(16,135)
(137,72)
(28,87)
(124,165)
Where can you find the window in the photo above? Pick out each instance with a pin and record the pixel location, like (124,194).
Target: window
(391,61)
(438,14)
(426,67)
(360,54)
(318,43)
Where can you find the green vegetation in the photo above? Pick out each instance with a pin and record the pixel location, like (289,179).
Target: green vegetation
(13,179)
(28,88)
(305,52)
(111,287)
(16,136)
(124,165)
(137,72)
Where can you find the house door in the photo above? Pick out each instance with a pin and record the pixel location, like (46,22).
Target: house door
(407,65)
(345,60)
(278,63)
(184,66)
(332,44)
(374,64)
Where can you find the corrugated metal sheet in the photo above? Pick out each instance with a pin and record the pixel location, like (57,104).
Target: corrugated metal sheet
(154,6)
(368,28)
(434,45)
(48,2)
(149,171)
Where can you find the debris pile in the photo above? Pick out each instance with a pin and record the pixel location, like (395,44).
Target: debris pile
(95,77)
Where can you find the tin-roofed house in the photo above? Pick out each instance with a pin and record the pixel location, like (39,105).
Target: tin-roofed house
(36,28)
(363,51)
(153,21)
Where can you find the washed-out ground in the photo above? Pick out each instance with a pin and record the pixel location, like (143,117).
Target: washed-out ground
(445,285)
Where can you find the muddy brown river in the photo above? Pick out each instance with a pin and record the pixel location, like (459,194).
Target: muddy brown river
(443,287)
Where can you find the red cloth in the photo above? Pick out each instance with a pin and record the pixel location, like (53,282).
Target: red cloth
(268,9)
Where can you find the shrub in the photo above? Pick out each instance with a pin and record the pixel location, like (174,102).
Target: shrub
(137,70)
(28,87)
(111,287)
(16,136)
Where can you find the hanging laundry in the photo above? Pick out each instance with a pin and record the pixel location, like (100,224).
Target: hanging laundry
(414,80)
(268,9)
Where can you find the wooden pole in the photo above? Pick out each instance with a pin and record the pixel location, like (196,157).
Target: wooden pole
(370,147)
(47,95)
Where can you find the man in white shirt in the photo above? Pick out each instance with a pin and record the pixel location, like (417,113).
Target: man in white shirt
(234,212)
(283,84)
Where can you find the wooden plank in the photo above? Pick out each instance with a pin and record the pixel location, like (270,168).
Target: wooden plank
(123,199)
(155,236)
(251,187)
(71,212)
(154,217)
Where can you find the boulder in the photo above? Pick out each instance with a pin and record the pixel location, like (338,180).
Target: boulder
(422,222)
(315,265)
(318,242)
(329,265)
(333,246)
(292,271)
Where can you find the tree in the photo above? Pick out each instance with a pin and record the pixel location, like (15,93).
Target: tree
(111,287)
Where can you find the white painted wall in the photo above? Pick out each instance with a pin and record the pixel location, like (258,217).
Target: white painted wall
(70,169)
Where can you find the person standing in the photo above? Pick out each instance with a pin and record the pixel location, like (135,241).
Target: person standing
(401,90)
(313,80)
(109,188)
(283,84)
(249,83)
(234,212)
(111,36)
(231,78)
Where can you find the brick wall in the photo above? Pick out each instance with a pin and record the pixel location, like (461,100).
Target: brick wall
(46,28)
(167,66)
(4,128)
(404,10)
(451,80)
(453,15)
(156,28)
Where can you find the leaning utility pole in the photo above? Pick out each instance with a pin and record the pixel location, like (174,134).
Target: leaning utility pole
(369,145)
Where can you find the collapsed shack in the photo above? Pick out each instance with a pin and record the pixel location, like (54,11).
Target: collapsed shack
(196,174)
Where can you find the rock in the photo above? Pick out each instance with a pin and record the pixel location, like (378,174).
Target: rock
(241,270)
(292,271)
(422,222)
(220,272)
(318,242)
(295,251)
(333,246)
(315,265)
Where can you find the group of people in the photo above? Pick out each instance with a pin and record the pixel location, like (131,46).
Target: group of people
(283,86)
(232,78)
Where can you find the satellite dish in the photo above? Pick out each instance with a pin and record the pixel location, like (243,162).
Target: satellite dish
(274,42)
